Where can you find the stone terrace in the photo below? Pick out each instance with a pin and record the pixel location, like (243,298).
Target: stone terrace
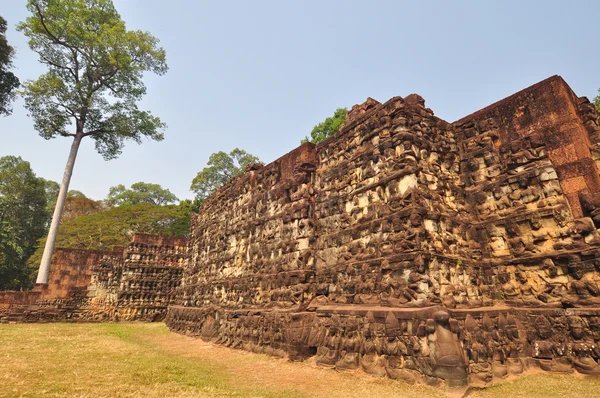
(133,283)
(412,248)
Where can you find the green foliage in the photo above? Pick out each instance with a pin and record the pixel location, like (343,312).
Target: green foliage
(114,227)
(51,188)
(192,205)
(140,192)
(221,168)
(597,100)
(8,81)
(73,193)
(95,69)
(22,219)
(327,128)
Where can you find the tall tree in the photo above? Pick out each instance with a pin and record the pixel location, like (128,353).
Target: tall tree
(327,128)
(8,81)
(140,192)
(94,81)
(221,168)
(22,219)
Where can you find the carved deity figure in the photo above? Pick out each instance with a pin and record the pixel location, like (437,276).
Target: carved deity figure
(372,360)
(328,352)
(583,349)
(349,351)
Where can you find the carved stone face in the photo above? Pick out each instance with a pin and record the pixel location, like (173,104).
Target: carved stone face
(521,277)
(577,332)
(577,274)
(543,327)
(577,327)
(512,229)
(552,272)
(415,219)
(472,165)
(523,182)
(535,222)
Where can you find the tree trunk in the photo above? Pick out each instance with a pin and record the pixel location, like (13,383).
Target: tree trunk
(44,270)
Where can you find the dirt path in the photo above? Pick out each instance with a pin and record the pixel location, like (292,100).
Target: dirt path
(257,370)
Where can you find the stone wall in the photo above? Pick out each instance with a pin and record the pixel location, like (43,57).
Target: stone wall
(252,241)
(136,282)
(411,247)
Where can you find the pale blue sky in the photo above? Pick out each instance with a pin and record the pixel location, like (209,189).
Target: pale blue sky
(258,75)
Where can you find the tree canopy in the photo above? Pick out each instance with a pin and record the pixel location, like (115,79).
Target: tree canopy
(95,69)
(327,128)
(77,206)
(22,219)
(221,168)
(8,81)
(140,192)
(75,194)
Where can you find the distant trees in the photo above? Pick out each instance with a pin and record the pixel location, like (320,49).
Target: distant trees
(140,192)
(94,81)
(8,81)
(22,219)
(115,226)
(52,188)
(221,168)
(86,223)
(75,194)
(327,128)
(77,206)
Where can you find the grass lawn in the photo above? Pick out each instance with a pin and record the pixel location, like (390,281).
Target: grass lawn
(146,360)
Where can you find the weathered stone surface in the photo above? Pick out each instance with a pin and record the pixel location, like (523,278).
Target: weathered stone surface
(132,283)
(413,248)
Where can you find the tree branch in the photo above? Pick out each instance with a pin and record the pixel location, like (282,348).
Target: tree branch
(52,36)
(103,81)
(94,132)
(110,88)
(63,133)
(58,66)
(76,60)
(71,111)
(57,40)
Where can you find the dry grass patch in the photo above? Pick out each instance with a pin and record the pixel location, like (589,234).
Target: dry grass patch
(146,360)
(543,385)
